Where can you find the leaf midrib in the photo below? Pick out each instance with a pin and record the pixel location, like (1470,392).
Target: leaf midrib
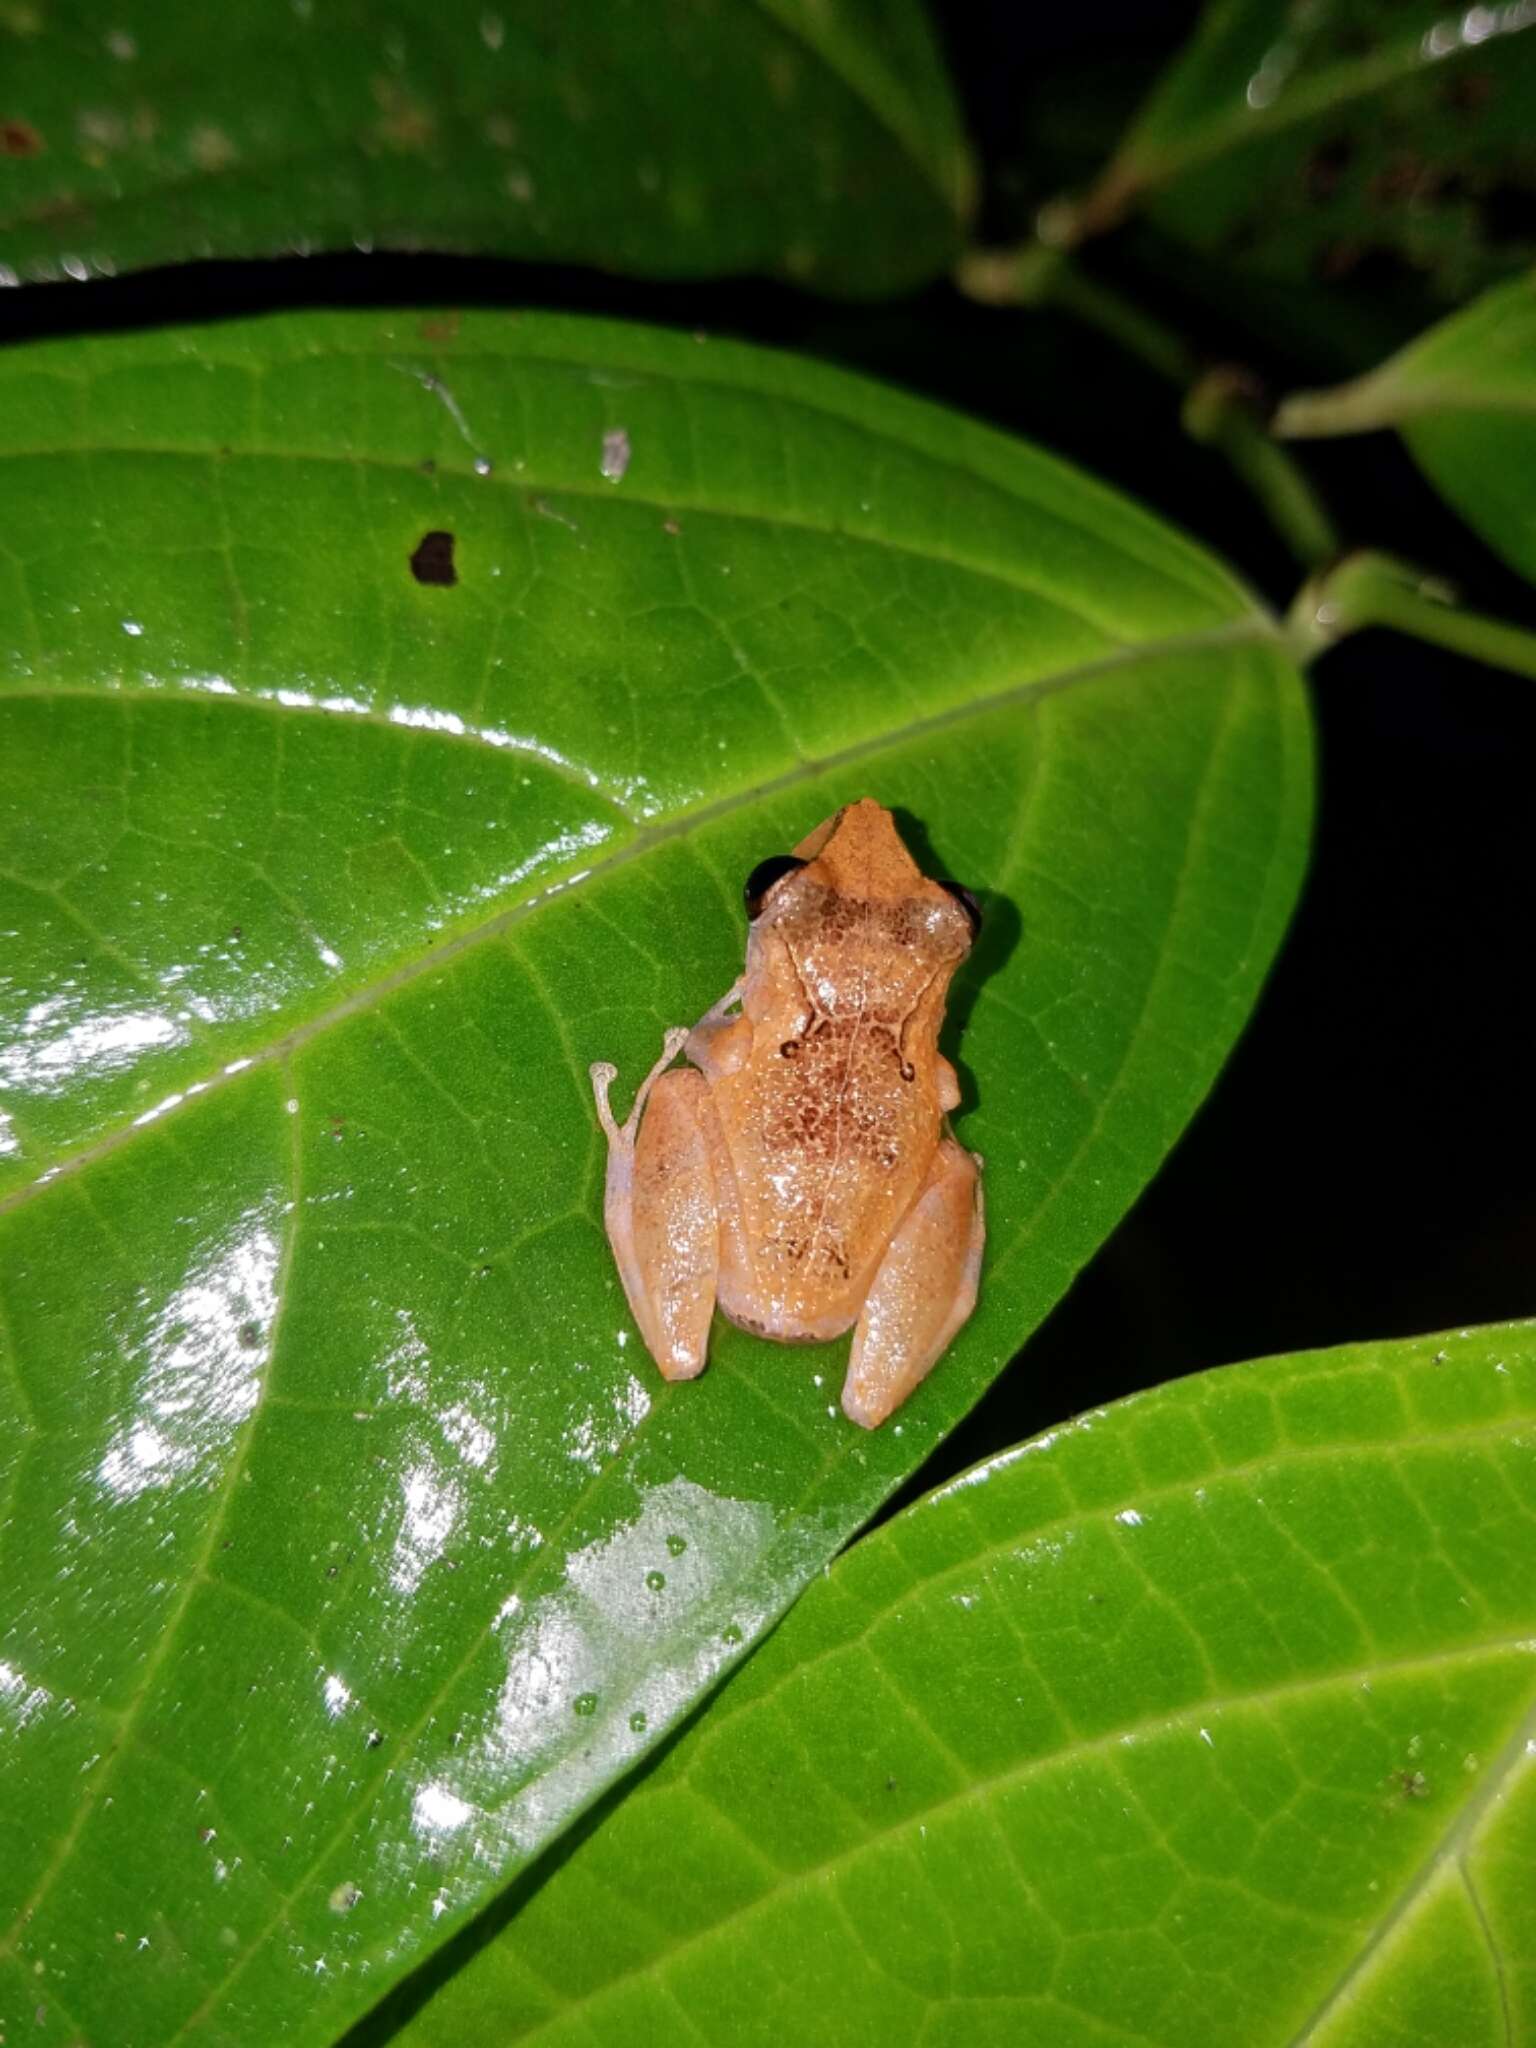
(1429,400)
(1337,85)
(761,377)
(778,519)
(977,1789)
(1452,1843)
(1271,1465)
(1384,402)
(1248,631)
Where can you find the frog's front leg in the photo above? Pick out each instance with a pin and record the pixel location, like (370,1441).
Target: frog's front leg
(660,1210)
(923,1289)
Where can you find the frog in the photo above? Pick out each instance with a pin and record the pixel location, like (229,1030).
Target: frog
(800,1173)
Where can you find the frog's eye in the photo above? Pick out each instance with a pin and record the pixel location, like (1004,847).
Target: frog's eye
(967,903)
(763,877)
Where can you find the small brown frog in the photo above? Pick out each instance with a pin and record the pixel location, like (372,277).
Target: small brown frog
(801,1172)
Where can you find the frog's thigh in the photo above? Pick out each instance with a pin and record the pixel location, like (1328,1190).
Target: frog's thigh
(721,1040)
(664,1227)
(923,1291)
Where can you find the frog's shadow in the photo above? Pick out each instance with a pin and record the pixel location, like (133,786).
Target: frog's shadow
(1001,930)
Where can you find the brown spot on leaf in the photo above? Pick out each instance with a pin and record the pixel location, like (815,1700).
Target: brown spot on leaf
(20,138)
(65,209)
(403,123)
(441,326)
(432,561)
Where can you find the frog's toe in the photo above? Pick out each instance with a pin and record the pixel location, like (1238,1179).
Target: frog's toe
(682,1363)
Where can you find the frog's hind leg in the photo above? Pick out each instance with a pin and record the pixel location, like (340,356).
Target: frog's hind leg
(923,1290)
(659,1210)
(722,1038)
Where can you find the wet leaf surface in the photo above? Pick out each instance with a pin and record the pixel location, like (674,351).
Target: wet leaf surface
(353,1544)
(1463,397)
(1351,140)
(1210,1717)
(818,142)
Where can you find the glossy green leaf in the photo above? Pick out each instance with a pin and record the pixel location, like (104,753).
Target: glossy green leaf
(1209,1718)
(674,138)
(1463,397)
(353,1543)
(1302,142)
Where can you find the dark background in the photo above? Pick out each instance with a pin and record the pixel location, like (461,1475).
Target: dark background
(1362,1168)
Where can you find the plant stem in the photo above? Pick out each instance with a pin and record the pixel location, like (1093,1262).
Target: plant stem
(1064,283)
(1221,407)
(1374,590)
(1221,411)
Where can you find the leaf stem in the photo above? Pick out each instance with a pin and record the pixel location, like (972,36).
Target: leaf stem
(1222,410)
(1223,407)
(1359,407)
(1375,590)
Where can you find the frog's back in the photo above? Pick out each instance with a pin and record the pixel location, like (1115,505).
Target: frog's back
(833,1135)
(833,1118)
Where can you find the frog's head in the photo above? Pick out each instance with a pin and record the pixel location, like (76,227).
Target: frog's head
(852,882)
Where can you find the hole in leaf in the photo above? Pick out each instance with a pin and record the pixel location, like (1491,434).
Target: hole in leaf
(432,561)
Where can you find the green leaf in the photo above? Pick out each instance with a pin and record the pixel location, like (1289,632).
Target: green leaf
(674,138)
(1297,142)
(354,1544)
(1210,1717)
(1463,397)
